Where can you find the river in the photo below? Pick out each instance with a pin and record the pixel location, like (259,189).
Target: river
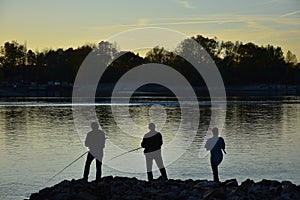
(37,139)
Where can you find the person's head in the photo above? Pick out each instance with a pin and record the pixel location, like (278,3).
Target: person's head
(94,125)
(215,131)
(151,126)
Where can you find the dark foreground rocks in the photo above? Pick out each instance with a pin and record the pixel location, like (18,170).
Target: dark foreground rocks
(132,188)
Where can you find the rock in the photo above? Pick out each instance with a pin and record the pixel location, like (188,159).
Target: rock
(132,188)
(218,193)
(286,183)
(193,198)
(265,182)
(35,196)
(210,184)
(174,188)
(290,191)
(230,183)
(183,194)
(246,185)
(189,183)
(236,193)
(171,195)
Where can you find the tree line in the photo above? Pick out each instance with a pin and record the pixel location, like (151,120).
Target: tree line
(238,63)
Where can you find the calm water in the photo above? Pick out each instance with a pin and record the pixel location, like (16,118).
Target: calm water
(39,139)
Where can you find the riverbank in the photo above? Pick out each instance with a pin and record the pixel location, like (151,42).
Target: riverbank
(65,91)
(132,188)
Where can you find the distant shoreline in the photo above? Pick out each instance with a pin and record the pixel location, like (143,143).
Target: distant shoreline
(65,93)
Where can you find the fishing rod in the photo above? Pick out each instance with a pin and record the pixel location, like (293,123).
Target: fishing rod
(68,166)
(86,153)
(125,153)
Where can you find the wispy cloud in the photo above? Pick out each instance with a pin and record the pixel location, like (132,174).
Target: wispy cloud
(267,2)
(182,21)
(260,29)
(186,4)
(143,22)
(258,21)
(290,13)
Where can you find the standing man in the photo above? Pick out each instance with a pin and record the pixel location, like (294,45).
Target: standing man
(152,142)
(95,141)
(215,145)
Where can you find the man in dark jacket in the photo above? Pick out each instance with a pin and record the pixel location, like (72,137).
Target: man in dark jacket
(95,141)
(152,143)
(215,145)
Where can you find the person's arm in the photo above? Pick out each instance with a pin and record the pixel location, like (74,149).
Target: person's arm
(87,142)
(102,141)
(207,145)
(160,139)
(223,146)
(143,144)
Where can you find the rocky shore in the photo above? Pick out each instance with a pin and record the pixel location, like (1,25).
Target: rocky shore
(132,188)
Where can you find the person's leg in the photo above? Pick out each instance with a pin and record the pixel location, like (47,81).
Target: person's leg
(149,163)
(150,176)
(99,170)
(163,173)
(88,162)
(160,164)
(214,166)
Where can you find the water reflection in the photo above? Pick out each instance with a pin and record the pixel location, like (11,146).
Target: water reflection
(14,127)
(140,115)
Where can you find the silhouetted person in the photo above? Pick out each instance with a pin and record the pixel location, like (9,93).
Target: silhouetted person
(152,143)
(215,145)
(95,141)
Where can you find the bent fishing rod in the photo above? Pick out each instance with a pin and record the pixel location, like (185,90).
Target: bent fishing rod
(86,153)
(67,166)
(125,153)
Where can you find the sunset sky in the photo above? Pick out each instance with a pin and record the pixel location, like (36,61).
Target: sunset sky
(72,23)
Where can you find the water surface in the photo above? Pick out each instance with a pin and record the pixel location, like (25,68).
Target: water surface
(39,139)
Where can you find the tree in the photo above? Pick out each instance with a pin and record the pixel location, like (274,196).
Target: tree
(31,58)
(210,45)
(106,52)
(160,55)
(13,54)
(41,59)
(291,58)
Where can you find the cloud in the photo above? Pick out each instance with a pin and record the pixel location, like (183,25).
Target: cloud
(267,2)
(257,22)
(186,4)
(182,21)
(143,22)
(290,13)
(260,29)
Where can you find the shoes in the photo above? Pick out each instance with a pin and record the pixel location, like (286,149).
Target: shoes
(162,178)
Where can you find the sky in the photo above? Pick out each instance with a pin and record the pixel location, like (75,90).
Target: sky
(56,24)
